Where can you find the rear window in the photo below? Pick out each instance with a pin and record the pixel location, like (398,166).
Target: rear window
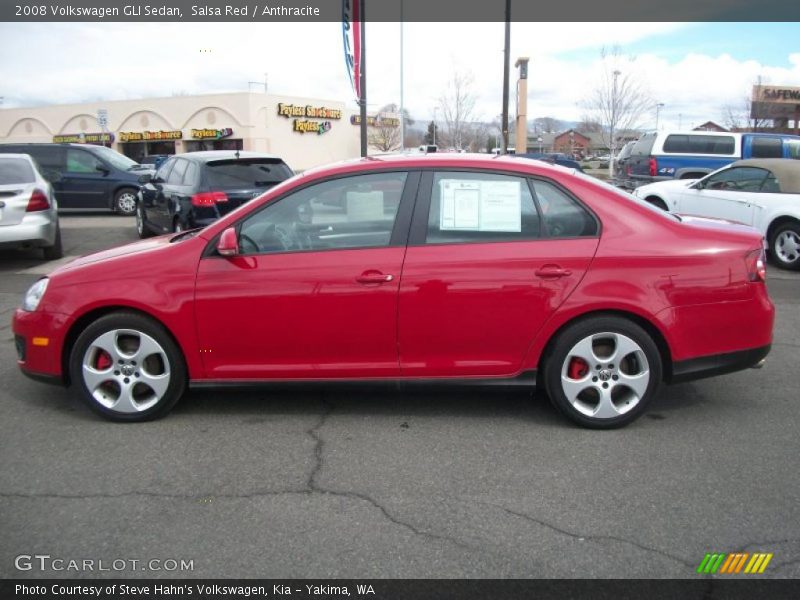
(257,172)
(699,144)
(16,170)
(644,145)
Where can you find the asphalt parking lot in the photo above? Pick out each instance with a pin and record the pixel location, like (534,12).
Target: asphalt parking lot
(385,483)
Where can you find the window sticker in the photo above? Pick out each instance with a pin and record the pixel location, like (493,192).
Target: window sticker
(469,205)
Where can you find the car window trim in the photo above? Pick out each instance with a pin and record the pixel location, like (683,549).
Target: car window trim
(400,230)
(419,223)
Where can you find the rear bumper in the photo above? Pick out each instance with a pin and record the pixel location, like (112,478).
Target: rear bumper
(718,364)
(36,229)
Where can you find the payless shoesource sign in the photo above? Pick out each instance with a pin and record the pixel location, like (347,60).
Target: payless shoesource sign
(305,117)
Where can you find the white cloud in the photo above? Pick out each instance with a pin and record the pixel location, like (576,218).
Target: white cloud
(78,62)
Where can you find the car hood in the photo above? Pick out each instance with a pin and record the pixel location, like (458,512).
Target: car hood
(672,184)
(141,247)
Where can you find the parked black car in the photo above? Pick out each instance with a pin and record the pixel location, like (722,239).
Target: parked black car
(88,176)
(554,158)
(195,189)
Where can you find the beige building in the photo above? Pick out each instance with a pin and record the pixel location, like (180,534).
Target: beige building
(305,132)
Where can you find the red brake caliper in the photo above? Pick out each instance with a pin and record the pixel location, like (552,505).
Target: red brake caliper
(577,368)
(103,361)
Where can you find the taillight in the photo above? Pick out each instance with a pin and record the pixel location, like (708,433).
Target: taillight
(756,263)
(38,201)
(209,198)
(653,166)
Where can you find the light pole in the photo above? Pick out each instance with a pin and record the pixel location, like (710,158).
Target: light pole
(659,106)
(435,108)
(612,143)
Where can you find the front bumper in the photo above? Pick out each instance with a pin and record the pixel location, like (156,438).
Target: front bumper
(36,229)
(39,338)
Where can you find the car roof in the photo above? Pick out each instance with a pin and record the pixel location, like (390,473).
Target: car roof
(447,160)
(208,155)
(16,155)
(787,170)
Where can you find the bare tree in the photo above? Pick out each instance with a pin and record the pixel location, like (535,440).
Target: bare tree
(620,99)
(384,135)
(457,103)
(547,125)
(739,116)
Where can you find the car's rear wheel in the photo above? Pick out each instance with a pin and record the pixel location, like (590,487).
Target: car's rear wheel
(784,246)
(602,372)
(141,223)
(657,202)
(55,251)
(127,368)
(125,202)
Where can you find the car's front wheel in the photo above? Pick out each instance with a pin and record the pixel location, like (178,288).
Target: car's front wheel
(602,372)
(125,202)
(126,367)
(784,246)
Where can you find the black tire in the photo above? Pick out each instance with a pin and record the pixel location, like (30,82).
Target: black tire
(141,223)
(125,202)
(783,255)
(55,251)
(611,377)
(146,403)
(657,202)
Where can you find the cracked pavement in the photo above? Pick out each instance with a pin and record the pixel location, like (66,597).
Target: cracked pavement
(377,482)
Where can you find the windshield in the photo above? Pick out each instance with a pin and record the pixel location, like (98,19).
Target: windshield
(117,160)
(627,196)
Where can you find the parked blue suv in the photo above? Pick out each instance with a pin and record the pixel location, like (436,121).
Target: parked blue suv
(86,176)
(662,155)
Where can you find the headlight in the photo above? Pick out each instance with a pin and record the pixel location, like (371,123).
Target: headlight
(34,295)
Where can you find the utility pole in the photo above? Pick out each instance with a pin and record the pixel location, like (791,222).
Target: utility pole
(521,145)
(659,106)
(363,78)
(402,116)
(506,62)
(612,142)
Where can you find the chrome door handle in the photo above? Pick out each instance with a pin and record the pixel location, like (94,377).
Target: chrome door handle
(552,272)
(374,278)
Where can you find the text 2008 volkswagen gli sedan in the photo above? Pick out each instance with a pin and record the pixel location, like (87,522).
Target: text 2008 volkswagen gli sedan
(455,267)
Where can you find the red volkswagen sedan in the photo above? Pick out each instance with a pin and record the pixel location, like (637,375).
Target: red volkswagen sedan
(462,268)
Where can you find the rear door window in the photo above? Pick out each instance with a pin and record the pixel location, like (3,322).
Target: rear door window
(246,173)
(481,207)
(49,157)
(562,216)
(767,147)
(81,161)
(699,144)
(16,170)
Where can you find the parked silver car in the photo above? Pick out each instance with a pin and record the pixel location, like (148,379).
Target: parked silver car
(28,208)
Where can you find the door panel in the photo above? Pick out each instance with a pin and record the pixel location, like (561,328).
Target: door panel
(299,315)
(473,309)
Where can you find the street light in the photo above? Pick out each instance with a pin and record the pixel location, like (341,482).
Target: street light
(659,106)
(613,123)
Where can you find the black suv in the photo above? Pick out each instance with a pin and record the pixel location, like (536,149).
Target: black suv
(86,176)
(195,189)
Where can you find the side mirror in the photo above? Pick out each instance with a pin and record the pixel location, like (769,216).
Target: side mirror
(103,169)
(155,179)
(228,244)
(698,185)
(146,178)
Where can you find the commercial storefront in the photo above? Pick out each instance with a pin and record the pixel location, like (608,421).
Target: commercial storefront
(305,132)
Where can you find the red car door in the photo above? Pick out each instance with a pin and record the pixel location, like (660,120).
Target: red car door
(486,266)
(313,291)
